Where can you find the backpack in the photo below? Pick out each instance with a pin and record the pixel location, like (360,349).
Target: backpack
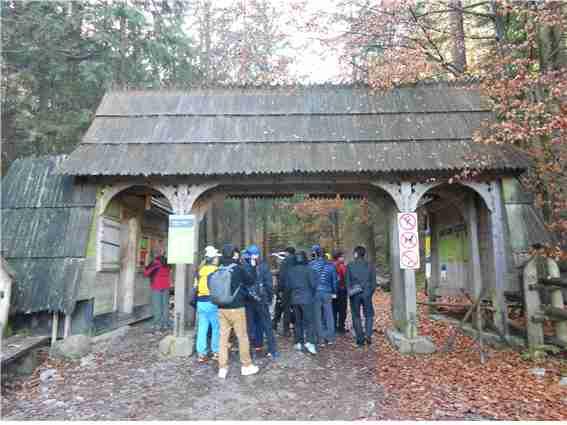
(219,283)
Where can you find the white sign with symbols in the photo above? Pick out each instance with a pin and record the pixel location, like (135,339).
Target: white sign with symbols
(409,240)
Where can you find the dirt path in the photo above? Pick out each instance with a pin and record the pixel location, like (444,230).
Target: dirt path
(126,379)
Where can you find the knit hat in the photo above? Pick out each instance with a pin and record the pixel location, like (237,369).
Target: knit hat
(252,250)
(316,249)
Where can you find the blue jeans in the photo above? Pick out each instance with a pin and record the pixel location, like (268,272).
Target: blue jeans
(160,307)
(324,318)
(208,315)
(357,302)
(260,324)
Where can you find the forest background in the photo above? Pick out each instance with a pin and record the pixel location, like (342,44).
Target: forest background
(59,58)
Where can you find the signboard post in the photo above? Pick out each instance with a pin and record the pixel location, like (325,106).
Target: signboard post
(181,239)
(409,241)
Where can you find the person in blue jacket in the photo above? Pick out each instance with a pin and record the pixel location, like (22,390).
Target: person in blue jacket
(258,311)
(326,275)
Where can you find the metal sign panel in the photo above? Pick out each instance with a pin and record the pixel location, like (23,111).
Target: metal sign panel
(181,239)
(408,232)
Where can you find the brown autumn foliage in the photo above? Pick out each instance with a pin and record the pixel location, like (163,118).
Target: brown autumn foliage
(515,51)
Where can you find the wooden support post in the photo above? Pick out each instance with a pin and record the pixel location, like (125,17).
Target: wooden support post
(474,247)
(404,297)
(130,265)
(557,301)
(180,300)
(242,224)
(67,329)
(398,313)
(532,305)
(54,327)
(499,259)
(210,222)
(434,280)
(246,222)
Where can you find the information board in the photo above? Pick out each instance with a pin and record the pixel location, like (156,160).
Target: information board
(181,239)
(409,240)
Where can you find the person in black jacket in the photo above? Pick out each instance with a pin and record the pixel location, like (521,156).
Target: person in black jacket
(258,313)
(361,275)
(233,316)
(302,283)
(283,305)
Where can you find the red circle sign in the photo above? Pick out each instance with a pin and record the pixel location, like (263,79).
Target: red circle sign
(408,240)
(409,259)
(408,222)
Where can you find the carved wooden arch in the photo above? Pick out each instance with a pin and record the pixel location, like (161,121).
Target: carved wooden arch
(109,192)
(186,198)
(406,195)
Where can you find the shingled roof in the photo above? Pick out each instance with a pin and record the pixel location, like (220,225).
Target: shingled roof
(45,227)
(329,129)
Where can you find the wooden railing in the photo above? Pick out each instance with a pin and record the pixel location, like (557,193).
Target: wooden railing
(542,275)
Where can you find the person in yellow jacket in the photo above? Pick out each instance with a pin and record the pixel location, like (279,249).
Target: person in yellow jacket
(207,312)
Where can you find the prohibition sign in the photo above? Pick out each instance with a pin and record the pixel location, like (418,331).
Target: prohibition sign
(409,259)
(408,240)
(408,221)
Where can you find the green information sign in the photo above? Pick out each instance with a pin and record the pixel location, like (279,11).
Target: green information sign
(181,239)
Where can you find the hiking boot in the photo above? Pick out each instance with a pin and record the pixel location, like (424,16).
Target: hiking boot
(368,341)
(298,346)
(310,348)
(249,370)
(201,358)
(223,372)
(215,356)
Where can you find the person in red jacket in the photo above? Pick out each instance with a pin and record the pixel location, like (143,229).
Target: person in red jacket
(341,301)
(160,277)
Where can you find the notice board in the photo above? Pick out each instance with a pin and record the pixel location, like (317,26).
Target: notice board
(181,239)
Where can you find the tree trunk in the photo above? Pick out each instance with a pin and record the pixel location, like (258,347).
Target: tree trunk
(458,36)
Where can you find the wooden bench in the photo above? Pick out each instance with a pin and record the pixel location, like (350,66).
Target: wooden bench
(16,346)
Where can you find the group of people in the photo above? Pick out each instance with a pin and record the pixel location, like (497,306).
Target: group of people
(312,294)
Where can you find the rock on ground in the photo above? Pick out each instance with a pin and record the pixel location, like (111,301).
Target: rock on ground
(72,347)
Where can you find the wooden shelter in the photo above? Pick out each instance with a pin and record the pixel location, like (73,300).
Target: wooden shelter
(185,149)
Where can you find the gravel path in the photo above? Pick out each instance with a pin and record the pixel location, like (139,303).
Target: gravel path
(126,378)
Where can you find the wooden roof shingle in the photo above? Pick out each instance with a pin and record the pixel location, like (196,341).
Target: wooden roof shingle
(214,132)
(45,227)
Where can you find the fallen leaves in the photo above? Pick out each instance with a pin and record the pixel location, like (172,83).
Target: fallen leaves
(455,385)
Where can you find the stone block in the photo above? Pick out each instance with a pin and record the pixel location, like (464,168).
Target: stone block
(172,346)
(115,334)
(73,347)
(417,345)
